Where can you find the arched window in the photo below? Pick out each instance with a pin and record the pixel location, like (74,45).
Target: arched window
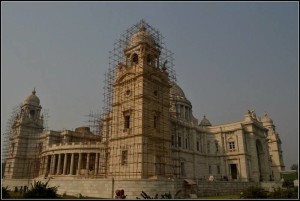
(208,147)
(135,59)
(31,114)
(149,59)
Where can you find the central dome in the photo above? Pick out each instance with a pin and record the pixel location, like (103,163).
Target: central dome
(176,91)
(142,36)
(177,94)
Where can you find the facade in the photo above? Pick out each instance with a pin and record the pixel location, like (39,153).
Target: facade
(149,133)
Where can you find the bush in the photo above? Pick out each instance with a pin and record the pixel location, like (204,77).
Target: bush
(288,184)
(40,190)
(162,196)
(5,193)
(284,193)
(254,192)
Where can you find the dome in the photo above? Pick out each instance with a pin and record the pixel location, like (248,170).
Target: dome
(32,99)
(266,119)
(176,91)
(205,122)
(141,36)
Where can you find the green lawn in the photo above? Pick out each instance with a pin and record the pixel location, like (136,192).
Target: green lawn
(221,197)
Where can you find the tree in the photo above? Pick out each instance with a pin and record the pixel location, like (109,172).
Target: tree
(40,190)
(294,167)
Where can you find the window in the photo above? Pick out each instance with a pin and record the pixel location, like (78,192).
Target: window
(127,121)
(160,166)
(149,59)
(155,121)
(186,143)
(217,146)
(218,168)
(179,141)
(198,146)
(172,141)
(135,59)
(231,146)
(31,114)
(208,147)
(8,169)
(182,170)
(12,148)
(209,169)
(186,113)
(124,157)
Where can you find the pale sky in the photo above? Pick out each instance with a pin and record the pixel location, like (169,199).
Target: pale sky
(229,57)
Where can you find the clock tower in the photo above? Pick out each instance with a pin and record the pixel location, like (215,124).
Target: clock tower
(140,138)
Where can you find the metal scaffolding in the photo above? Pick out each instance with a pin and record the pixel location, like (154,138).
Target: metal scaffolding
(118,58)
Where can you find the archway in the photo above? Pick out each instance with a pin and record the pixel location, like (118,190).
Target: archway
(260,158)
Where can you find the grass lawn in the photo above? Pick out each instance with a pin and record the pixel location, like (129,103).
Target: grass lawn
(221,197)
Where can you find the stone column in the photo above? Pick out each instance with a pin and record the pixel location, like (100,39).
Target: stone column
(72,164)
(79,163)
(54,163)
(46,165)
(59,164)
(87,164)
(96,164)
(42,162)
(51,164)
(65,164)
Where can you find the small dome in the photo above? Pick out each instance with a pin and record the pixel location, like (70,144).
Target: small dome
(205,122)
(266,119)
(32,99)
(141,36)
(176,91)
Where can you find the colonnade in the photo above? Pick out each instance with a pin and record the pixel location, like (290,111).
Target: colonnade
(71,164)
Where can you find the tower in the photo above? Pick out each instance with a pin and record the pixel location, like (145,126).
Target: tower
(22,159)
(275,149)
(140,137)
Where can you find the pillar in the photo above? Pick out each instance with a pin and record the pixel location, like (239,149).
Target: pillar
(54,163)
(51,164)
(59,164)
(65,164)
(96,164)
(72,164)
(87,164)
(79,163)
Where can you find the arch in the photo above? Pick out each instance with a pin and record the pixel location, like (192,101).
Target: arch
(134,59)
(260,158)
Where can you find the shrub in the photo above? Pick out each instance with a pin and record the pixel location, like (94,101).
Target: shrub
(5,193)
(40,190)
(284,193)
(288,184)
(162,196)
(254,192)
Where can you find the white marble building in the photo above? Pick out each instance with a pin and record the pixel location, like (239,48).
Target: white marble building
(151,133)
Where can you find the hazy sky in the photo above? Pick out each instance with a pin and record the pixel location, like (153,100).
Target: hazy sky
(229,57)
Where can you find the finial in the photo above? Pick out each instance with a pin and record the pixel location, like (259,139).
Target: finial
(142,26)
(204,116)
(33,92)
